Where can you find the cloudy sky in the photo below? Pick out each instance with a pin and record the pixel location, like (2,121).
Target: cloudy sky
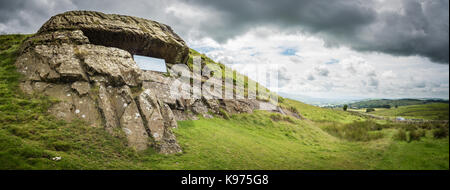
(324,49)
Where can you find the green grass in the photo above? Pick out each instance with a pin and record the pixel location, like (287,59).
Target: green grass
(264,141)
(29,138)
(318,114)
(356,131)
(433,111)
(427,154)
(255,141)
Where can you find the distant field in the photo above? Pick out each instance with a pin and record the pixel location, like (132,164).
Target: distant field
(433,111)
(382,103)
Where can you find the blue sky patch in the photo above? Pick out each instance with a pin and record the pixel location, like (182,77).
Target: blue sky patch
(289,51)
(204,50)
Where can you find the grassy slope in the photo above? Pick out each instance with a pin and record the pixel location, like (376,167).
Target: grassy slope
(29,138)
(425,154)
(254,141)
(433,111)
(317,114)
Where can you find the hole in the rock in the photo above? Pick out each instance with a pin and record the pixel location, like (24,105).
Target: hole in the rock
(135,44)
(150,63)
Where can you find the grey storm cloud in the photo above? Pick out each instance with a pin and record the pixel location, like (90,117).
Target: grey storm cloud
(415,27)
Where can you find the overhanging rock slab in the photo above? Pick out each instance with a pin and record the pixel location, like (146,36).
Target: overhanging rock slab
(136,35)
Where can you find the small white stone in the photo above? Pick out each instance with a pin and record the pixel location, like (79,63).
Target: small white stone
(156,135)
(77,111)
(68,94)
(83,116)
(125,105)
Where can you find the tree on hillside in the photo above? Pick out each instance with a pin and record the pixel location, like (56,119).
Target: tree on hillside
(345,107)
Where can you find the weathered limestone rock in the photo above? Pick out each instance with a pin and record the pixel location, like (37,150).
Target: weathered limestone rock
(51,63)
(81,87)
(169,117)
(71,105)
(133,34)
(160,120)
(84,59)
(56,38)
(62,110)
(133,127)
(116,64)
(199,107)
(163,89)
(150,109)
(213,104)
(110,119)
(234,106)
(86,109)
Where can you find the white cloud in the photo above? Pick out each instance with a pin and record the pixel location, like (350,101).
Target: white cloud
(388,75)
(321,70)
(366,75)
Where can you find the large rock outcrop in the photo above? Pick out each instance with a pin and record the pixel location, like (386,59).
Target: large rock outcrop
(136,35)
(84,59)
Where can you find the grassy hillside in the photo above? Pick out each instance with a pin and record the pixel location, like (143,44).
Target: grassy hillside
(433,111)
(318,114)
(326,139)
(380,103)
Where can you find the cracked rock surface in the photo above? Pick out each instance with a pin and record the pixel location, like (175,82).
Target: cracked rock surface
(84,59)
(99,82)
